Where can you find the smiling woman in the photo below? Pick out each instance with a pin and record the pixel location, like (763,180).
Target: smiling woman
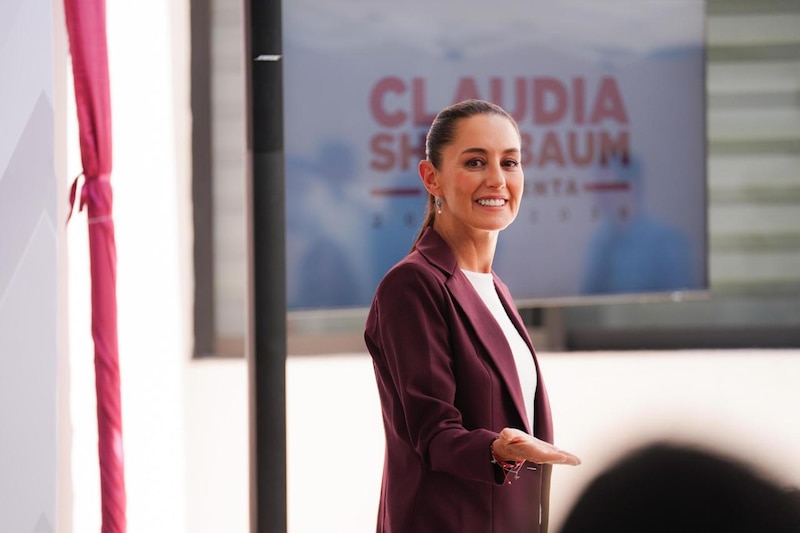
(467,420)
(479,180)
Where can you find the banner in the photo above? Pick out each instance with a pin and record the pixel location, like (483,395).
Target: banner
(609,97)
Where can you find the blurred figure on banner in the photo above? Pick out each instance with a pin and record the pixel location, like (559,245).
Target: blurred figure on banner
(397,211)
(664,488)
(466,414)
(323,218)
(631,252)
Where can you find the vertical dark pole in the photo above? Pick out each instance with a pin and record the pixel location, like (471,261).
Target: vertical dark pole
(267,363)
(201,179)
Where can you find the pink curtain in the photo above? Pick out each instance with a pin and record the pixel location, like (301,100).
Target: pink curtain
(86,27)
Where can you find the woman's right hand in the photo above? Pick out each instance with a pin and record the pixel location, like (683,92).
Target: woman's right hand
(516,445)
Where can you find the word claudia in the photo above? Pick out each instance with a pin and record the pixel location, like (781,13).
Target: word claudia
(562,123)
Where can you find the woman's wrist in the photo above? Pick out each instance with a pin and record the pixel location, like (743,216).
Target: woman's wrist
(509,468)
(497,455)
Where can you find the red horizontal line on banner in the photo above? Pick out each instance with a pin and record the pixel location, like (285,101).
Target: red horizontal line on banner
(397,191)
(607,186)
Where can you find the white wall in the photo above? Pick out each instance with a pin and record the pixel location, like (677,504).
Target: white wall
(743,403)
(185,422)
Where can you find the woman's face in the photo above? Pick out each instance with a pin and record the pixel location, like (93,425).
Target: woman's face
(480,180)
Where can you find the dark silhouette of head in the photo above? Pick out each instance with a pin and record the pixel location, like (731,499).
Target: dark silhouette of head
(664,488)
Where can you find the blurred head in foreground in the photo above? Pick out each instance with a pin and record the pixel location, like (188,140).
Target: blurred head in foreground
(670,488)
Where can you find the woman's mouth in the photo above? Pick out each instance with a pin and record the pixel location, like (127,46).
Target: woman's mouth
(492,202)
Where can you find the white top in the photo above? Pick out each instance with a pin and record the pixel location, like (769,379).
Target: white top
(526,369)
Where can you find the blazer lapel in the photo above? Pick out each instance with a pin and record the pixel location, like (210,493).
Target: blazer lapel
(486,328)
(511,310)
(543,421)
(489,333)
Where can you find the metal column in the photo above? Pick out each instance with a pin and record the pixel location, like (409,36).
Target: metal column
(267,354)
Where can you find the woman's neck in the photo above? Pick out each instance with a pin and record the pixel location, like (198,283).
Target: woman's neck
(473,249)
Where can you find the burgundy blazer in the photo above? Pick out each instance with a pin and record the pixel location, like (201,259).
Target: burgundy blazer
(448,384)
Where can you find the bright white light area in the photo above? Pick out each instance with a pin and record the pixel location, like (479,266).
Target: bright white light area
(149,178)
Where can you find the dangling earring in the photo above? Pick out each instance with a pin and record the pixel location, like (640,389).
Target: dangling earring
(438,203)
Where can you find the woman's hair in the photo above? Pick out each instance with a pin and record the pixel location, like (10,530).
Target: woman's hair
(442,133)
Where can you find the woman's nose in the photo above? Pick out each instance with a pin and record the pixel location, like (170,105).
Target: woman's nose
(495,177)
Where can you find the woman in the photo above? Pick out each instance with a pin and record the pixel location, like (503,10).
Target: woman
(466,415)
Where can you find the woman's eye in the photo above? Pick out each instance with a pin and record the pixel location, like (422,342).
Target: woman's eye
(511,163)
(475,163)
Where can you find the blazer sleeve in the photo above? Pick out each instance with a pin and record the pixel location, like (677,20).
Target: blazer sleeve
(407,334)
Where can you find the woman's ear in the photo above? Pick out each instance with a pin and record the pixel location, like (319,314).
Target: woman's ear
(428,175)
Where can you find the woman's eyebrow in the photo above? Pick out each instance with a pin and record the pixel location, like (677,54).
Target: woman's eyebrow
(484,151)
